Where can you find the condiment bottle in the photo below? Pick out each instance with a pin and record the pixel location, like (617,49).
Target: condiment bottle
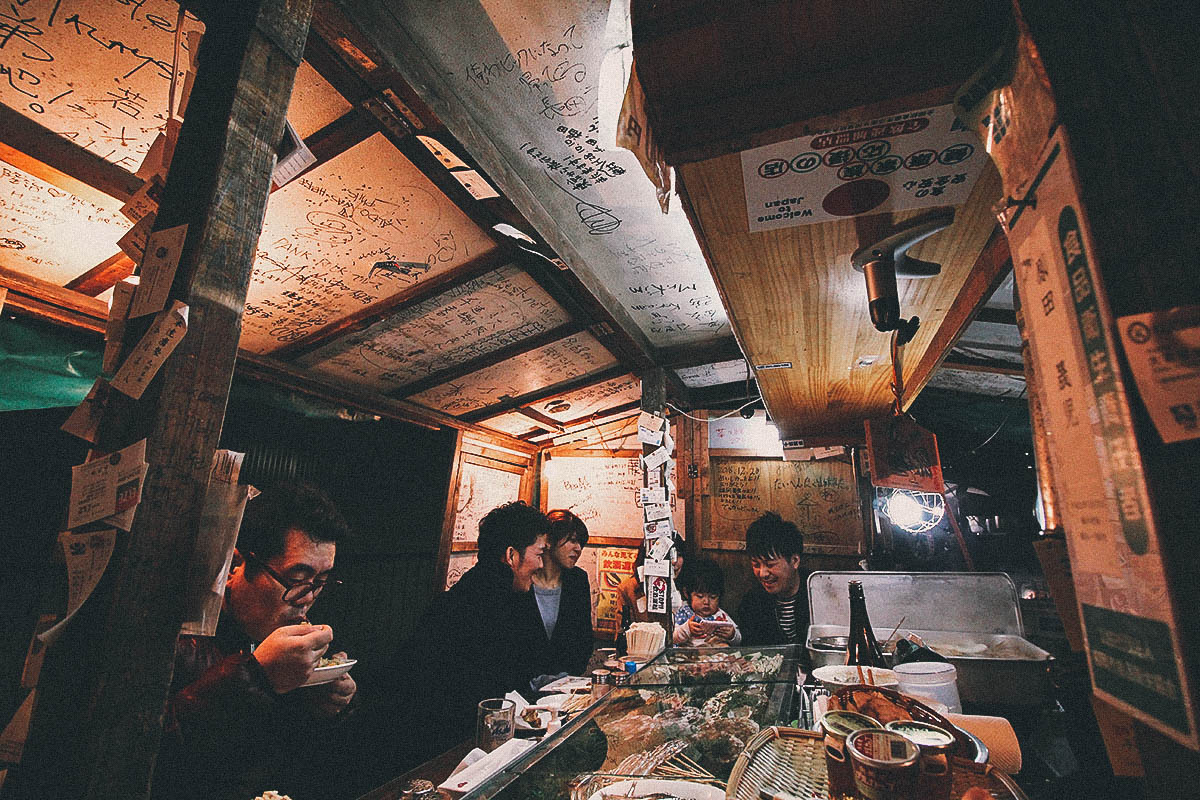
(862,648)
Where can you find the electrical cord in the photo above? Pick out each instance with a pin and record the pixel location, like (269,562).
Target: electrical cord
(996,432)
(679,410)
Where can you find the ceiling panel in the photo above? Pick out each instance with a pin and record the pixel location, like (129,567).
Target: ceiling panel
(315,103)
(513,424)
(714,374)
(592,399)
(326,232)
(569,358)
(529,87)
(51,234)
(98,74)
(470,320)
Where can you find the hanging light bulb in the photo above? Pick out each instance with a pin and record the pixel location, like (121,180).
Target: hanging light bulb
(914,512)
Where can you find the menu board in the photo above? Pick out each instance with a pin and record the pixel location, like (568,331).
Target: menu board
(604,493)
(821,497)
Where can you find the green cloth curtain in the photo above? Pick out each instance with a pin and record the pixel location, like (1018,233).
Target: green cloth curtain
(44,366)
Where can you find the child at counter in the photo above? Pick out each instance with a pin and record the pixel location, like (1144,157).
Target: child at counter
(702,622)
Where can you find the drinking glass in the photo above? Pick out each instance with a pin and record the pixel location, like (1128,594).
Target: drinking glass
(496,716)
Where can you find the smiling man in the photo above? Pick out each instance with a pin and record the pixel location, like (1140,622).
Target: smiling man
(776,611)
(239,719)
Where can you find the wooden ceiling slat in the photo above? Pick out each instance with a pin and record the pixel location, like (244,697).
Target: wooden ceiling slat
(52,295)
(359,320)
(540,419)
(554,390)
(103,276)
(61,162)
(953,361)
(456,371)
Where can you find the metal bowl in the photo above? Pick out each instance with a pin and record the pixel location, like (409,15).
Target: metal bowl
(831,643)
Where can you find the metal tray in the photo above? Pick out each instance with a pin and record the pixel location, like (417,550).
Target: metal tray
(955,613)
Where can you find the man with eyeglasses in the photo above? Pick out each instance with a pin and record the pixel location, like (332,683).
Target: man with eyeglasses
(239,720)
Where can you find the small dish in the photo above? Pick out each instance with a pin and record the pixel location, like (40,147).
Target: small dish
(330,672)
(835,676)
(569,684)
(684,790)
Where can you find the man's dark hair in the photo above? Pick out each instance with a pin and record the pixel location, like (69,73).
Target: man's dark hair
(515,525)
(284,507)
(702,575)
(565,525)
(772,536)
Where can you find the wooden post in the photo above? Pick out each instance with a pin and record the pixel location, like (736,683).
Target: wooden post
(98,721)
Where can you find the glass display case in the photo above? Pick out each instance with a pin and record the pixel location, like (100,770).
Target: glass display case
(688,715)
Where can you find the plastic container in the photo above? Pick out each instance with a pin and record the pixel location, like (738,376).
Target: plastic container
(930,680)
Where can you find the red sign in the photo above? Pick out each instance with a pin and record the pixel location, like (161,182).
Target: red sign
(903,455)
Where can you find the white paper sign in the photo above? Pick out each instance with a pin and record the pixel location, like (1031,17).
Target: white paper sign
(649,436)
(1163,349)
(656,594)
(449,160)
(474,183)
(656,511)
(106,485)
(146,200)
(662,568)
(650,496)
(157,272)
(87,556)
(656,528)
(164,335)
(656,458)
(133,243)
(295,157)
(658,550)
(912,160)
(124,519)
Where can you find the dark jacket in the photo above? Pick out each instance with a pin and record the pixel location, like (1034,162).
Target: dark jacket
(760,626)
(474,642)
(227,734)
(570,649)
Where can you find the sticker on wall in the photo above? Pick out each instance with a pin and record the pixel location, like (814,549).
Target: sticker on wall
(912,160)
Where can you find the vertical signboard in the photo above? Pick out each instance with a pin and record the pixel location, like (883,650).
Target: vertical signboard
(1129,617)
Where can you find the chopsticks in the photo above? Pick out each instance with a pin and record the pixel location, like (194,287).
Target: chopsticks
(893,633)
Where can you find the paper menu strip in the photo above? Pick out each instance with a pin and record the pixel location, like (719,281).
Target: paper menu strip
(106,485)
(87,556)
(157,271)
(114,329)
(148,356)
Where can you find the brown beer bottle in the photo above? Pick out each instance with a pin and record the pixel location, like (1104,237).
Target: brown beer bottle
(861,648)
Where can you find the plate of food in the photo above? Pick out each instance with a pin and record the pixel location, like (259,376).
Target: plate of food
(329,669)
(658,790)
(534,718)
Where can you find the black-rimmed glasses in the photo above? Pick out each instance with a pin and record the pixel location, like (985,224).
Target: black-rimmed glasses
(294,591)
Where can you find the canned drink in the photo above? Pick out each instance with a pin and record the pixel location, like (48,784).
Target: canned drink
(884,765)
(622,678)
(837,725)
(935,779)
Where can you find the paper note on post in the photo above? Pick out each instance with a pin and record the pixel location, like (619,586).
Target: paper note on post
(656,458)
(87,556)
(148,356)
(163,251)
(106,485)
(114,329)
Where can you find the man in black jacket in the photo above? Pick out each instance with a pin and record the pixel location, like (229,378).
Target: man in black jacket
(776,611)
(475,642)
(237,720)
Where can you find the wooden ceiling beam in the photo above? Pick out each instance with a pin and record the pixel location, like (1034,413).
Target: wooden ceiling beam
(955,361)
(50,301)
(43,153)
(545,393)
(456,371)
(997,316)
(991,267)
(103,276)
(683,356)
(540,419)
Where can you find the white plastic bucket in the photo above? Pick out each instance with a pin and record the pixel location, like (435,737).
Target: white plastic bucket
(930,680)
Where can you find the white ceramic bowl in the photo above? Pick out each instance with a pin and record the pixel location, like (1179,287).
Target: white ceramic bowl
(835,676)
(330,673)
